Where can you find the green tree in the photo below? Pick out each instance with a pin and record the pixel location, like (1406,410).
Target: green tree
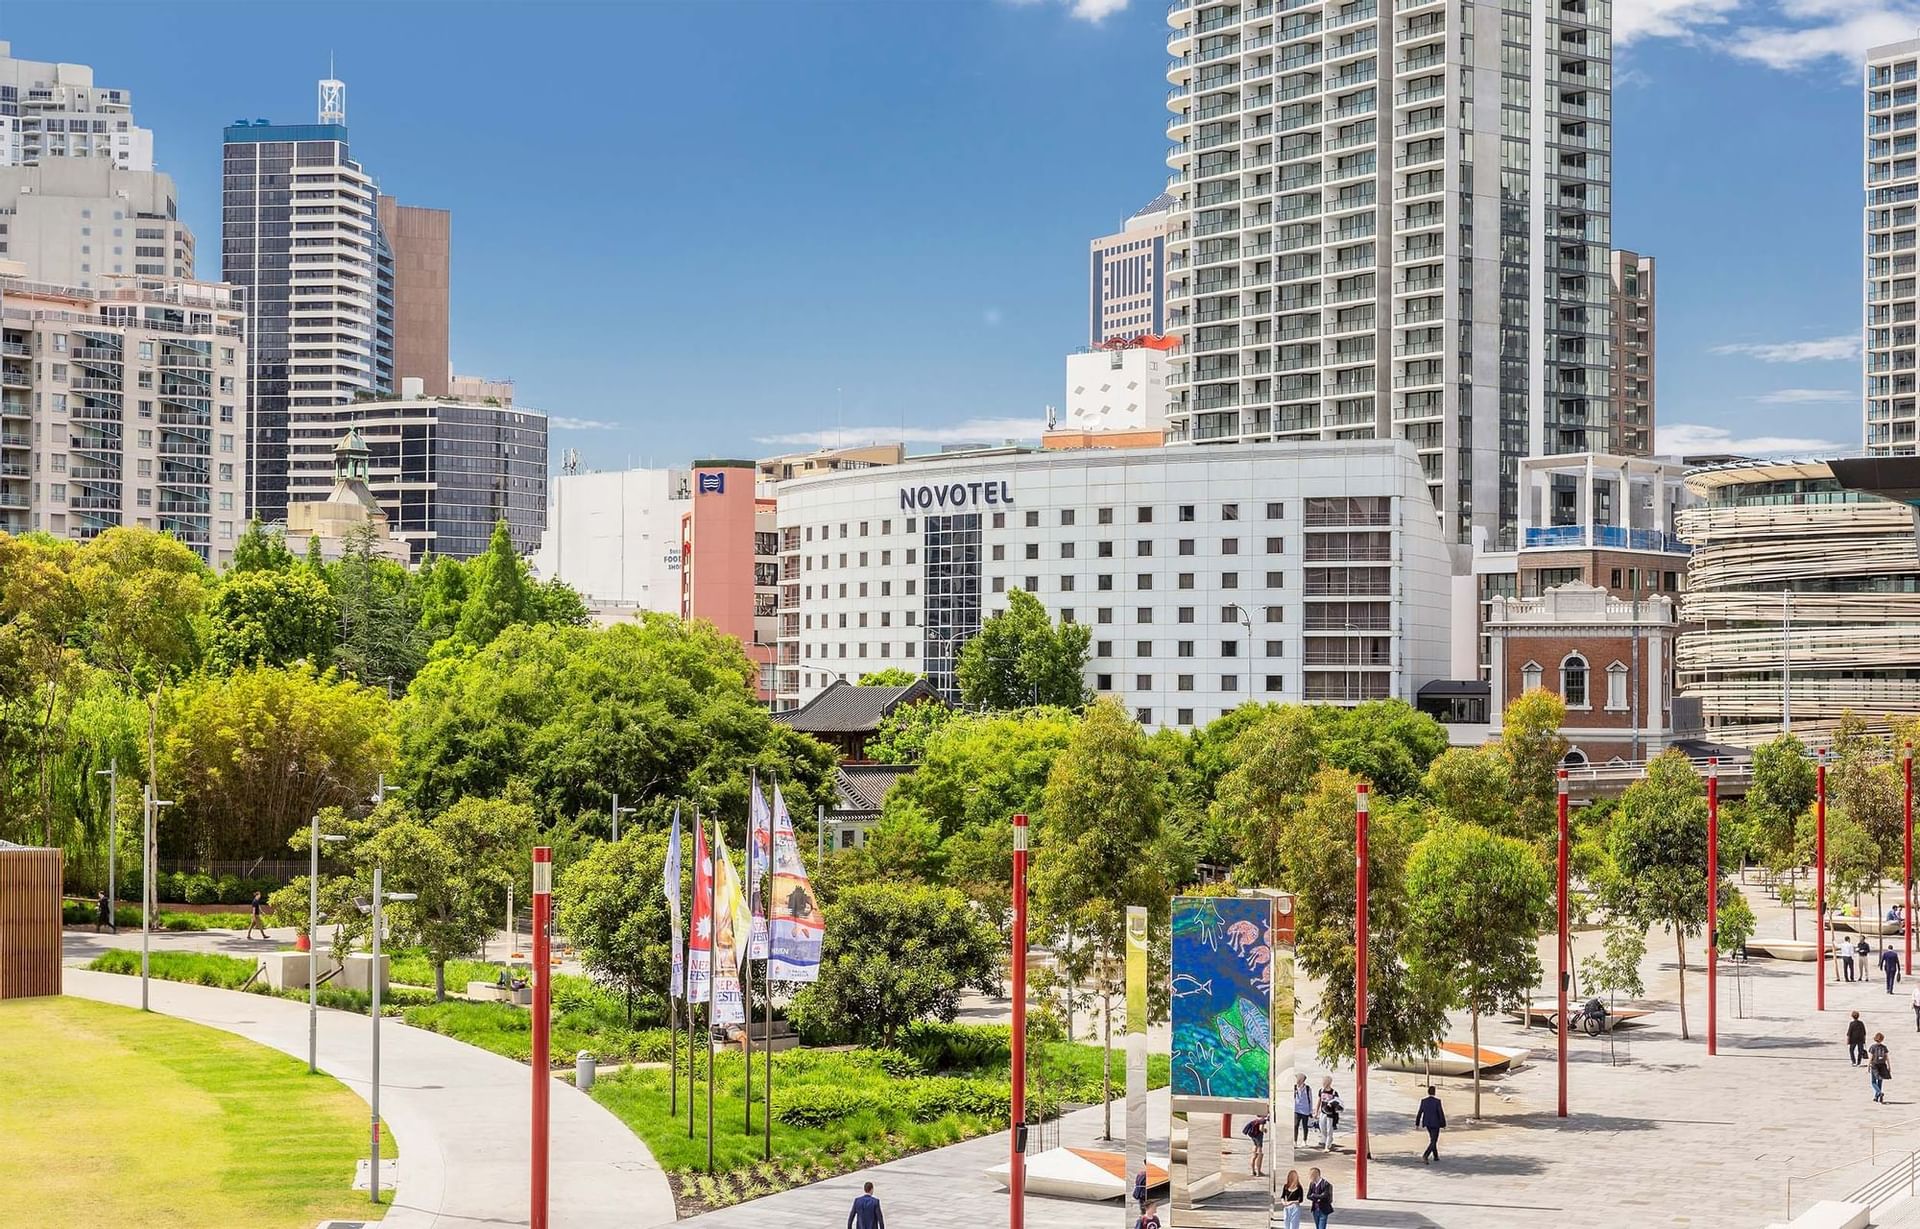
(896,953)
(904,847)
(249,757)
(1615,969)
(1472,785)
(259,550)
(271,618)
(1779,793)
(611,907)
(1478,904)
(1735,923)
(441,585)
(141,595)
(1657,855)
(1406,1014)
(1101,846)
(1388,743)
(459,864)
(1021,658)
(1275,761)
(903,733)
(1533,747)
(892,676)
(497,591)
(978,769)
(380,637)
(655,711)
(39,673)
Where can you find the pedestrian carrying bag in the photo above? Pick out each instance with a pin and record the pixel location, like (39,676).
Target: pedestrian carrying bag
(1882,1070)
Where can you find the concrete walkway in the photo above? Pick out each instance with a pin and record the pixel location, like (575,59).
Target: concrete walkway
(459,1114)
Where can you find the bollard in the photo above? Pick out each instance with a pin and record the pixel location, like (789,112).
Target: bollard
(583,1068)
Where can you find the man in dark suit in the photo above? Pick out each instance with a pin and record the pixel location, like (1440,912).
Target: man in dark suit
(866,1212)
(1319,1197)
(1432,1117)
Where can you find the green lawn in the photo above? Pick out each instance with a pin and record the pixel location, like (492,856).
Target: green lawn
(233,972)
(114,1117)
(836,1111)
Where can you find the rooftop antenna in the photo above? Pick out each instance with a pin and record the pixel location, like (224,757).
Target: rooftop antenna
(333,97)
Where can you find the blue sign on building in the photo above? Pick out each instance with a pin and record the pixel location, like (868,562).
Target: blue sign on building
(712,484)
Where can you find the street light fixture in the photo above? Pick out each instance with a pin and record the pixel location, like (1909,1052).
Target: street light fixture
(618,811)
(1246,621)
(151,813)
(313,949)
(373,982)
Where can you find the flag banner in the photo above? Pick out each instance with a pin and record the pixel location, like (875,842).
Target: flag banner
(731,935)
(700,939)
(759,844)
(670,884)
(797,927)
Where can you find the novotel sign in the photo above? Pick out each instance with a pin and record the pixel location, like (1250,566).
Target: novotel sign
(954,495)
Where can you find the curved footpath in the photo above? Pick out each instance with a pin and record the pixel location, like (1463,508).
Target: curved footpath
(460,1115)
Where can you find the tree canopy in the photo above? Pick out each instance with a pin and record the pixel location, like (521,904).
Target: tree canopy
(1020,657)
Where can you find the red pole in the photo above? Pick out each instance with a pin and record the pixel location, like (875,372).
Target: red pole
(542,1003)
(1713,901)
(1017,1169)
(1560,881)
(1820,874)
(1360,992)
(1906,882)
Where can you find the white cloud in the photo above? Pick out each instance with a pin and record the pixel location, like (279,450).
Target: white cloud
(1809,396)
(1845,346)
(1680,19)
(1789,35)
(1094,11)
(971,431)
(1688,439)
(992,317)
(564,422)
(1818,30)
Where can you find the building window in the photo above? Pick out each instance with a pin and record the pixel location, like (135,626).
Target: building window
(1144,547)
(1066,550)
(1066,584)
(1273,682)
(1186,614)
(1143,682)
(1103,550)
(1186,546)
(1103,614)
(1033,550)
(1186,716)
(1066,516)
(1144,581)
(1103,648)
(1229,512)
(1104,581)
(1276,648)
(1144,515)
(1276,614)
(1229,648)
(1183,682)
(1143,614)
(999,552)
(1229,580)
(1105,516)
(1275,511)
(1276,546)
(1230,546)
(1617,687)
(1186,580)
(1573,681)
(1186,512)
(1033,520)
(1143,715)
(1103,682)
(1530,676)
(1229,682)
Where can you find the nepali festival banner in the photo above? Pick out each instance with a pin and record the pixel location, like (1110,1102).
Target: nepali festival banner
(759,857)
(670,884)
(797,927)
(700,936)
(1223,956)
(732,933)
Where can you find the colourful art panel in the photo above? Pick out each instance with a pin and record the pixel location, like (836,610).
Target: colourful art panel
(1223,954)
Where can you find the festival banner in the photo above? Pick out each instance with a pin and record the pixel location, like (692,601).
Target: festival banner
(700,940)
(759,843)
(670,884)
(797,926)
(731,934)
(1223,955)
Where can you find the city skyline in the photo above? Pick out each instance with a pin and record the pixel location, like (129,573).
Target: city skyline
(1029,131)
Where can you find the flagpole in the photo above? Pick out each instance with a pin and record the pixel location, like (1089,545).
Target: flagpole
(766,983)
(698,838)
(746,965)
(713,977)
(673,1003)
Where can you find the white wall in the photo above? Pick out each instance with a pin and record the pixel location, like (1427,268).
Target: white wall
(1129,396)
(616,536)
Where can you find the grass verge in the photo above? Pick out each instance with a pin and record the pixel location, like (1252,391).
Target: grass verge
(232,972)
(117,1117)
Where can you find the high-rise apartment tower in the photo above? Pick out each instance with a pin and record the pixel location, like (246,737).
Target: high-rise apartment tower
(1393,220)
(1893,193)
(1631,425)
(302,238)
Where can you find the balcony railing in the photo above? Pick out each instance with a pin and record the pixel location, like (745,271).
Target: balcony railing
(1551,537)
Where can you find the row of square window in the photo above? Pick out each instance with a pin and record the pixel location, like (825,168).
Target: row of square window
(143,496)
(1143,583)
(1275,510)
(144,409)
(143,467)
(1143,549)
(1104,615)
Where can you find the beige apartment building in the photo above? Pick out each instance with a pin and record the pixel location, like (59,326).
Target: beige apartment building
(123,405)
(1631,285)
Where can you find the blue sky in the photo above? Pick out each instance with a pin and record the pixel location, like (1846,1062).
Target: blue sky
(722,228)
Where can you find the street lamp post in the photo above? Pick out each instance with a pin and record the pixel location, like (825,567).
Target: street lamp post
(150,815)
(313,947)
(1246,621)
(618,811)
(1713,904)
(1820,875)
(1906,840)
(1360,815)
(1560,899)
(373,981)
(112,774)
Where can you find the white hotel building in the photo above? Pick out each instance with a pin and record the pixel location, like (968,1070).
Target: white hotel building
(1209,577)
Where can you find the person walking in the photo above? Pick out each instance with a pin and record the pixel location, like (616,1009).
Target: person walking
(1293,1197)
(1864,951)
(104,917)
(1330,1108)
(1890,965)
(1432,1117)
(1846,960)
(865,1213)
(1140,1190)
(1856,1039)
(1148,1219)
(1256,1133)
(1916,1009)
(1302,1109)
(1879,1071)
(259,903)
(1319,1197)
